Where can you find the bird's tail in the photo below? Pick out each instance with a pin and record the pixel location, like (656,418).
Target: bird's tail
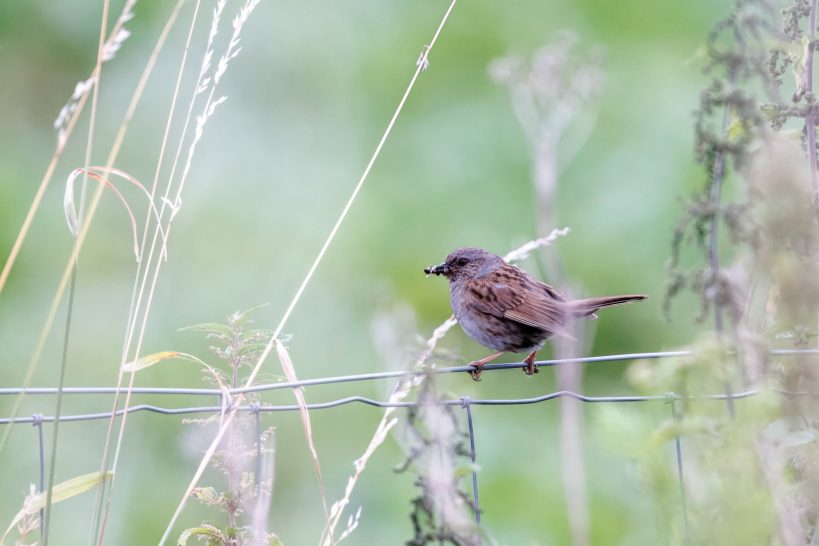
(587,307)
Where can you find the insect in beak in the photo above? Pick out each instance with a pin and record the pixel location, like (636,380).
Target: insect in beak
(441,269)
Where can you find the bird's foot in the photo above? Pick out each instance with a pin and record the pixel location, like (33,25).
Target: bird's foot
(530,367)
(475,372)
(478,365)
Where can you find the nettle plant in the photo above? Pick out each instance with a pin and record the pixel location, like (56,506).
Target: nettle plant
(438,455)
(245,455)
(746,246)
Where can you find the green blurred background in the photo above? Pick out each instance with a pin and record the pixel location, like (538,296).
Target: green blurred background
(308,99)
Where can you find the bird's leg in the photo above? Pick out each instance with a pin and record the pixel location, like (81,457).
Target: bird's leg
(478,364)
(530,367)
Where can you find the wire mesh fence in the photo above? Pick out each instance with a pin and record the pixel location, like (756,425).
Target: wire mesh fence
(464,402)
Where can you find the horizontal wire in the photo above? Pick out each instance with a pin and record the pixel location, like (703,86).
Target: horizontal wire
(380,404)
(367,376)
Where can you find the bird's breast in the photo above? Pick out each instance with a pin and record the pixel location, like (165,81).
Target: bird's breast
(496,332)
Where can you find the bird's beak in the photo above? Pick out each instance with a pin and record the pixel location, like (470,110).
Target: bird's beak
(441,269)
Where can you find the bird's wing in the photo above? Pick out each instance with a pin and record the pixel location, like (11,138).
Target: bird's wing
(509,293)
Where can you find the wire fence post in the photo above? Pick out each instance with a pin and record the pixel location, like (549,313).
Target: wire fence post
(254,409)
(476,505)
(680,475)
(37,421)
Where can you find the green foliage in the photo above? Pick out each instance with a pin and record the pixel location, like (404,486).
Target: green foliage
(27,519)
(748,471)
(236,343)
(728,490)
(442,512)
(238,346)
(729,123)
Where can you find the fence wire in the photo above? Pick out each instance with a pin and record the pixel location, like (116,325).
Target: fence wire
(37,419)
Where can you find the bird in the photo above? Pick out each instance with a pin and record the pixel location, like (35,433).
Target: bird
(507,310)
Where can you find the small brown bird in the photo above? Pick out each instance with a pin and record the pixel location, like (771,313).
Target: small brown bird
(502,307)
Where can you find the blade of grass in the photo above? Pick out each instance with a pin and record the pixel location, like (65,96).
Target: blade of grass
(290,373)
(132,310)
(155,358)
(63,284)
(52,465)
(66,131)
(61,491)
(204,83)
(74,264)
(143,81)
(421,65)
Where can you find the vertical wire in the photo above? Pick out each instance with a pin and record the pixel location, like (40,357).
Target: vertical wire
(38,422)
(257,414)
(476,505)
(680,475)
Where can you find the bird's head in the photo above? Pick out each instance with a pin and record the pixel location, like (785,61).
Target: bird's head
(466,263)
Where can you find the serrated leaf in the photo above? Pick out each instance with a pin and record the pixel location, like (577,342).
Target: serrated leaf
(60,492)
(206,530)
(206,495)
(252,347)
(212,327)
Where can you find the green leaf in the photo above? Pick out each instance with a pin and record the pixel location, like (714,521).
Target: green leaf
(206,495)
(686,426)
(155,358)
(148,360)
(60,492)
(736,130)
(211,327)
(205,530)
(466,469)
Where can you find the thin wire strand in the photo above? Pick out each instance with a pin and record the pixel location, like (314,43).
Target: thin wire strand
(667,397)
(38,423)
(368,376)
(476,504)
(683,495)
(258,426)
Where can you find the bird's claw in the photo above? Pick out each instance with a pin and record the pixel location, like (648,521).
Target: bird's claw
(530,367)
(476,371)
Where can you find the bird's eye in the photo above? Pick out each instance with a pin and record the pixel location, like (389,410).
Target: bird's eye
(462,261)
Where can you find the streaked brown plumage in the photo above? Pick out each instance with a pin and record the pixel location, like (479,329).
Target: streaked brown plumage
(505,309)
